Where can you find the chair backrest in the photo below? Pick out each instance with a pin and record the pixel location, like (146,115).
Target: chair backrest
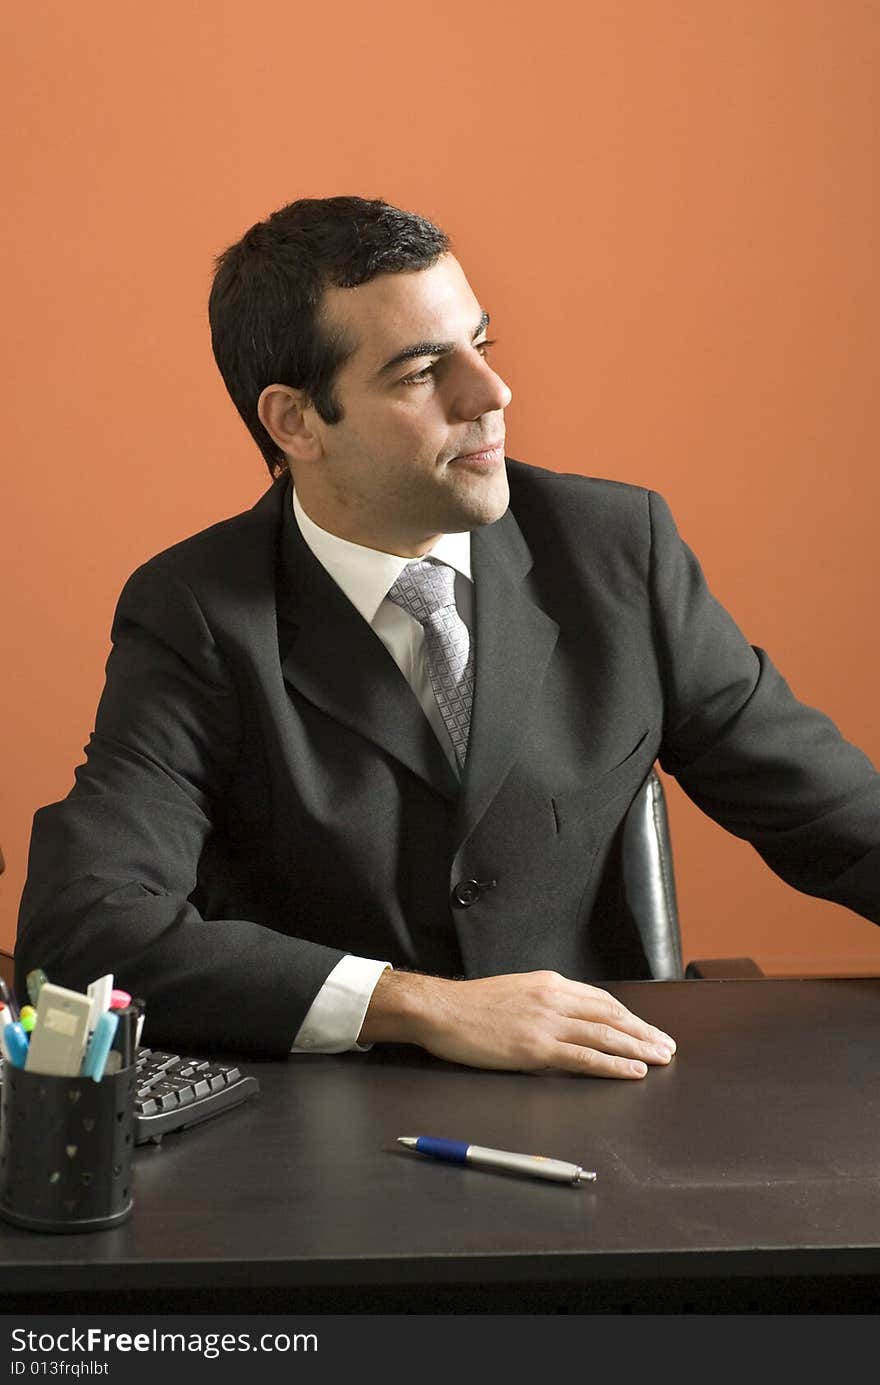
(647,881)
(7,968)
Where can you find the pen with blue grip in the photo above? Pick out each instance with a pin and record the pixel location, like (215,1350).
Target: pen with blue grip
(99,1045)
(458,1152)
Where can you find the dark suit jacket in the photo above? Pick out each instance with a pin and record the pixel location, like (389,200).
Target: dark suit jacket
(262,792)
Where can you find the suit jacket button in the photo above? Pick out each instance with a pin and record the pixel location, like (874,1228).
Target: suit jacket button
(466,893)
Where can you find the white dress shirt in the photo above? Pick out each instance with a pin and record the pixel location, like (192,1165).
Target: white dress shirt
(366,576)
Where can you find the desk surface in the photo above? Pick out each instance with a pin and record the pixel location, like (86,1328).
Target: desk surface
(747,1168)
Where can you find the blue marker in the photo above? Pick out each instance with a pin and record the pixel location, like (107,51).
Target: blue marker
(99,1045)
(15,1044)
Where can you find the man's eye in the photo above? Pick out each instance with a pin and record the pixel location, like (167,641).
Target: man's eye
(422,376)
(418,379)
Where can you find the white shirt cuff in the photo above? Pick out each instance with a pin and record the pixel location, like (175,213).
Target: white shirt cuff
(337,1012)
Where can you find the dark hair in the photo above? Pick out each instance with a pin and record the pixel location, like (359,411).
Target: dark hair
(266,297)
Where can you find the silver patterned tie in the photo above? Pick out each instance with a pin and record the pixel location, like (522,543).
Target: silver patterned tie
(426,589)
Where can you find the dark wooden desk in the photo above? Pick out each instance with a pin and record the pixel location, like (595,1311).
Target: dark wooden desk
(742,1178)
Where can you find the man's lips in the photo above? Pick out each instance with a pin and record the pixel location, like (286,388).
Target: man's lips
(485,454)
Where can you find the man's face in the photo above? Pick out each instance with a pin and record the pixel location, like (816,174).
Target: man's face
(400,469)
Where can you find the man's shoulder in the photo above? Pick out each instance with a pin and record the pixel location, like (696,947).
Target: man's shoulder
(236,545)
(573,499)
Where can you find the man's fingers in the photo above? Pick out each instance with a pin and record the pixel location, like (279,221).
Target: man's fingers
(588,1062)
(605,1038)
(590,1004)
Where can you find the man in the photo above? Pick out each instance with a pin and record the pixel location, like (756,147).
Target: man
(338,794)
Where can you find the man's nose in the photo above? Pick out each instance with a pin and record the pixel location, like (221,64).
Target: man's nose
(479,390)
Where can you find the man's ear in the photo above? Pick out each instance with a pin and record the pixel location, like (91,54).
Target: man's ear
(284,413)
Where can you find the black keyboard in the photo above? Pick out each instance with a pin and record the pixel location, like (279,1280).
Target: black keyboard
(174,1092)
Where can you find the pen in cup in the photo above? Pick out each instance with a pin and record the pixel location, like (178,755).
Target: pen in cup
(14,1044)
(99,993)
(503,1160)
(99,1045)
(139,1008)
(8,999)
(35,981)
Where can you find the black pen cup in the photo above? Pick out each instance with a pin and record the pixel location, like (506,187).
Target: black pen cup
(66,1146)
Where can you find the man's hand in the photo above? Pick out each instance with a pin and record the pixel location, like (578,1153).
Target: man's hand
(528,1022)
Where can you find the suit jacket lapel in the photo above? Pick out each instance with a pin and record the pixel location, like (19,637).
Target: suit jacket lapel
(514,642)
(333,658)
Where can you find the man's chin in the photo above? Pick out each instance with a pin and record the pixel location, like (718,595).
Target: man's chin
(486,510)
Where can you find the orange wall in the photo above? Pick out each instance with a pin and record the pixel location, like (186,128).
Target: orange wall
(670,208)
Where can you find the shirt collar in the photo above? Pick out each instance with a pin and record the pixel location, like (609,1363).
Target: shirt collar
(366,575)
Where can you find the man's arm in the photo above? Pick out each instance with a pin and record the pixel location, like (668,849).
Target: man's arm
(767,767)
(113,866)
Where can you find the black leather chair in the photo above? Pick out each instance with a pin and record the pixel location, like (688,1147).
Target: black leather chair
(647,896)
(5,957)
(6,968)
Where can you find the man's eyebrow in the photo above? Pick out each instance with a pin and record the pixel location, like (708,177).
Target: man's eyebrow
(428,348)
